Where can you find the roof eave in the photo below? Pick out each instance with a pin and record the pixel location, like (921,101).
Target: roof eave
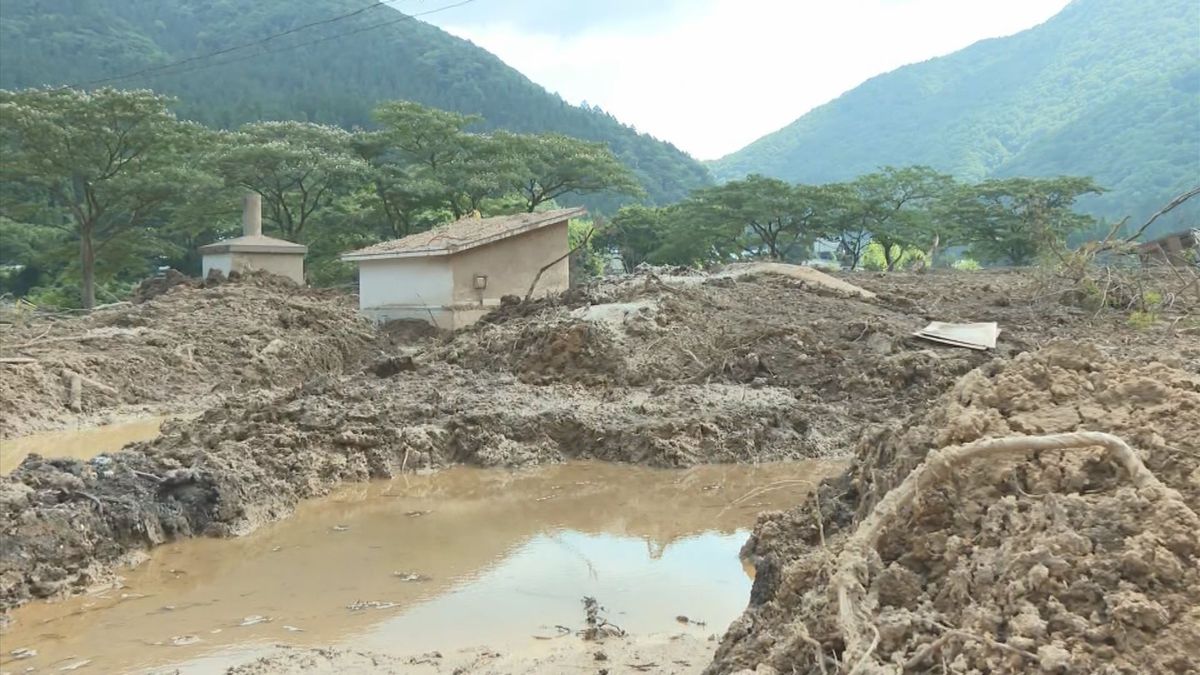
(354,256)
(294,249)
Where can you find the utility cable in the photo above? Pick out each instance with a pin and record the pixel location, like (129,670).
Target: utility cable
(158,70)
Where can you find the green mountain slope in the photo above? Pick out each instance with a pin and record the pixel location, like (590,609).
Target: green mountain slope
(336,81)
(1107,88)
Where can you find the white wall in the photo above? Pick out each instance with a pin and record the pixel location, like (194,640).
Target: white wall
(218,261)
(405,282)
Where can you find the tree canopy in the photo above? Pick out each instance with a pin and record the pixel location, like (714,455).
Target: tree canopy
(102,166)
(117,165)
(310,77)
(1107,88)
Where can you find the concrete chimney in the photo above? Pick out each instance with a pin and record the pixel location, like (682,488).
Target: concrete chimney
(252,215)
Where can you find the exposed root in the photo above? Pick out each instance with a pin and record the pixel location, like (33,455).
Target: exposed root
(860,634)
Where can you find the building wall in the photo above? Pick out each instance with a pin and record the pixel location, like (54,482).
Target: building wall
(441,289)
(510,265)
(289,265)
(216,261)
(406,288)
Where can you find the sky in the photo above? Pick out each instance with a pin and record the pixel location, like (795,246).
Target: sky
(711,76)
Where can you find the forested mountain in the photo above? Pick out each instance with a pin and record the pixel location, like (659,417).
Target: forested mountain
(1107,88)
(301,77)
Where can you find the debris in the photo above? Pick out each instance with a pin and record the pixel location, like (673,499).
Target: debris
(23,653)
(76,665)
(184,640)
(293,629)
(254,620)
(392,365)
(410,576)
(417,514)
(687,621)
(643,667)
(359,605)
(978,336)
(598,627)
(340,528)
(560,631)
(600,656)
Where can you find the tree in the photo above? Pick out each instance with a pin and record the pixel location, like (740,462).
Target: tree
(897,207)
(552,165)
(766,215)
(1015,220)
(297,167)
(402,199)
(423,136)
(635,233)
(847,221)
(107,162)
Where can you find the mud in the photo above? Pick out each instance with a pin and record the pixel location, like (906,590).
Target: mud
(179,348)
(673,370)
(1050,564)
(495,559)
(252,459)
(82,443)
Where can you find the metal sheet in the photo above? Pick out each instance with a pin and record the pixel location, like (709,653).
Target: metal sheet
(970,335)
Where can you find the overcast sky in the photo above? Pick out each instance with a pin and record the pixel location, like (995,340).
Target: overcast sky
(711,76)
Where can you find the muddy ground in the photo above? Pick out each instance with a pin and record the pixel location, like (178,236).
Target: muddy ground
(179,346)
(1051,556)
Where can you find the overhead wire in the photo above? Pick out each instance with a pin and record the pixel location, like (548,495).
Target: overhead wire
(167,69)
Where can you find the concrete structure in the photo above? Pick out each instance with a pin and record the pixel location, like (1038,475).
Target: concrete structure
(455,273)
(1179,249)
(252,251)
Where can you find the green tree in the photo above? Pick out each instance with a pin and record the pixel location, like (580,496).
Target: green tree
(402,199)
(898,207)
(635,233)
(107,162)
(766,216)
(553,165)
(297,167)
(847,221)
(1015,220)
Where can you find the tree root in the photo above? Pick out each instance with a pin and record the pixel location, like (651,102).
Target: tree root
(858,631)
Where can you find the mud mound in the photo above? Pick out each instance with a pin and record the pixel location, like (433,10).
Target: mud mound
(64,522)
(1054,563)
(180,345)
(847,359)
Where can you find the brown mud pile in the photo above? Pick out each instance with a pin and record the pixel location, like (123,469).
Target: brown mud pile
(184,341)
(847,360)
(64,522)
(644,370)
(1052,563)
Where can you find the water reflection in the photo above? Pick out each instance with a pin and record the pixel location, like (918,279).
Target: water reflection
(456,558)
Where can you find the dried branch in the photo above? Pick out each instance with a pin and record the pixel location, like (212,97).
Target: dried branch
(583,242)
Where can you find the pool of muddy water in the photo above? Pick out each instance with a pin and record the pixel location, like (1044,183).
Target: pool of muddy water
(459,558)
(81,443)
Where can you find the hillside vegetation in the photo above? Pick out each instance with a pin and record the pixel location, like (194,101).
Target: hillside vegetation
(1107,88)
(337,81)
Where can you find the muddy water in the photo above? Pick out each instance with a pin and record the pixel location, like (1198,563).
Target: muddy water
(464,557)
(82,443)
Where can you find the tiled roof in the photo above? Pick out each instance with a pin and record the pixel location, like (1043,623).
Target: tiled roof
(462,234)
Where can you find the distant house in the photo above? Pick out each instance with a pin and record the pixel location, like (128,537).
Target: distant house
(1179,249)
(455,273)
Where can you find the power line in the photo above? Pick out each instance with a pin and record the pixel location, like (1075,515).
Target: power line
(227,50)
(158,70)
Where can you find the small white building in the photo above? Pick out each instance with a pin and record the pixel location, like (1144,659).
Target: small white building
(253,251)
(455,273)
